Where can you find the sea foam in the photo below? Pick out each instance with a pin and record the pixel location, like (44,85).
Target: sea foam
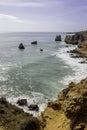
(79,70)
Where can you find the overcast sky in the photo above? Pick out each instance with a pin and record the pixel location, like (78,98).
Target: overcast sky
(43,15)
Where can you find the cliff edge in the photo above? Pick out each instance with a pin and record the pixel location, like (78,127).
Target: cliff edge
(69,112)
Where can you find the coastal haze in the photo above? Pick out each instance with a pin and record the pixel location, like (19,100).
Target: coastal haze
(43,15)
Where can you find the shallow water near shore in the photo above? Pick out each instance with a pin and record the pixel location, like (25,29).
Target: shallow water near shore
(34,75)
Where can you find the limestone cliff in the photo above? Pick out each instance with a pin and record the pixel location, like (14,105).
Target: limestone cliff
(69,112)
(76,38)
(79,39)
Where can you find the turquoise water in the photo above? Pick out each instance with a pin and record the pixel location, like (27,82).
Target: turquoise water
(30,73)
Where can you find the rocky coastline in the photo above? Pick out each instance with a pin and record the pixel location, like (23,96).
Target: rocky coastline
(79,39)
(68,112)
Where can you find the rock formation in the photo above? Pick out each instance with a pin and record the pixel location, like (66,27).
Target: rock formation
(33,107)
(41,49)
(74,39)
(34,42)
(22,102)
(21,46)
(79,39)
(69,112)
(58,38)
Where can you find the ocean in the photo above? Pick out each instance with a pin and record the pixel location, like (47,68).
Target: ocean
(34,75)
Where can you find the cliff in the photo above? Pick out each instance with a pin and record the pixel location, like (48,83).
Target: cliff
(79,39)
(76,38)
(69,111)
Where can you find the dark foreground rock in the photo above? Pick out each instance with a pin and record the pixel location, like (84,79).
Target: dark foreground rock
(14,118)
(21,46)
(33,107)
(69,112)
(22,102)
(34,43)
(58,38)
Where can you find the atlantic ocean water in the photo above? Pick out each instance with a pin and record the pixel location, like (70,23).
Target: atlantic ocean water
(34,75)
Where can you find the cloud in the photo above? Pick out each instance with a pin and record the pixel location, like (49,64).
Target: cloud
(22,4)
(35,3)
(5,17)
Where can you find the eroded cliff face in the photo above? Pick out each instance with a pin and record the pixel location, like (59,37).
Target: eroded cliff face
(79,39)
(76,38)
(69,112)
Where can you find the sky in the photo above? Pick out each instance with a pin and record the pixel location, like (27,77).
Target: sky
(43,15)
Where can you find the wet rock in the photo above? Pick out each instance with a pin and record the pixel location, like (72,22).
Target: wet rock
(4,102)
(21,46)
(33,107)
(41,49)
(34,42)
(83,62)
(66,46)
(22,102)
(58,38)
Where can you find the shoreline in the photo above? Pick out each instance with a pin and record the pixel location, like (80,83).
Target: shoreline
(61,114)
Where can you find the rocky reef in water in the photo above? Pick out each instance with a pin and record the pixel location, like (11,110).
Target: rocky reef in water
(69,111)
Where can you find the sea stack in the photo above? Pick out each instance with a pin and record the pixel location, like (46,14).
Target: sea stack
(58,38)
(41,49)
(34,42)
(21,46)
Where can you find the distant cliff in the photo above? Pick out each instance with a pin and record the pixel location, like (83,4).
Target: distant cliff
(69,111)
(79,39)
(76,38)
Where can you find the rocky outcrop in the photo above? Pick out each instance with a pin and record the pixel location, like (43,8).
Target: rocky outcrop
(58,38)
(21,46)
(33,107)
(74,39)
(34,43)
(69,112)
(41,49)
(22,102)
(79,39)
(14,118)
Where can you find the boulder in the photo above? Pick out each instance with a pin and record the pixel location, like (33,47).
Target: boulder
(34,42)
(21,46)
(33,107)
(58,38)
(22,102)
(41,49)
